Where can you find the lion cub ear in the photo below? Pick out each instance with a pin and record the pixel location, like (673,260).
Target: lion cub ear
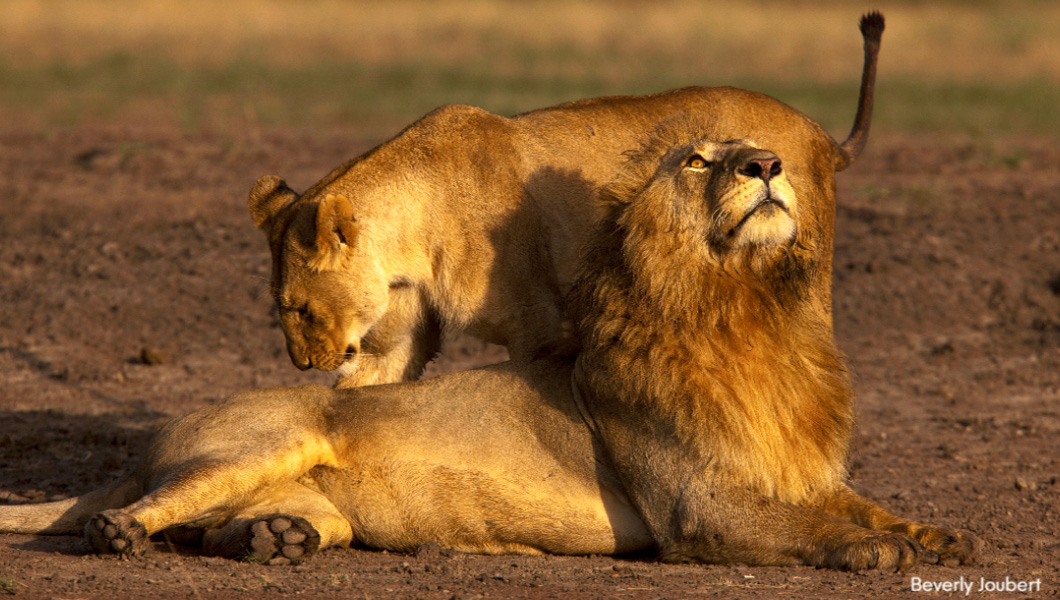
(267,198)
(336,230)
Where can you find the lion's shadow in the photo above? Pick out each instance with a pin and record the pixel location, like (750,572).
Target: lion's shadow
(51,455)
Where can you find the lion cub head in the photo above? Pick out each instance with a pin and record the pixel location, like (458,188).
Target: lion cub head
(326,305)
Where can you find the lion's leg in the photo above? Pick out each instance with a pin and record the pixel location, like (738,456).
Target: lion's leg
(206,467)
(741,526)
(195,494)
(288,528)
(941,544)
(399,347)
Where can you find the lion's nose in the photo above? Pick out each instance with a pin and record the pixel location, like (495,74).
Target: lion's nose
(764,168)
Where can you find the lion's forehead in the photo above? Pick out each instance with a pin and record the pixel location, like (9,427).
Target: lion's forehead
(715,148)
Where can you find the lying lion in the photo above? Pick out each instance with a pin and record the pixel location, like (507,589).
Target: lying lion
(707,418)
(471,221)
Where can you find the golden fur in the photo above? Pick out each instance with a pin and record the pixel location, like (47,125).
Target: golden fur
(705,316)
(471,221)
(707,417)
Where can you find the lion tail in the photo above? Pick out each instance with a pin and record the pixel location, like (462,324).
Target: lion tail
(67,516)
(871,31)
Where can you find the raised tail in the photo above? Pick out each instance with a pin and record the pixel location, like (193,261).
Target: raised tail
(67,516)
(871,31)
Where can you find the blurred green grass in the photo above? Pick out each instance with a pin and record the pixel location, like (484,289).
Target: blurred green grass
(134,75)
(375,99)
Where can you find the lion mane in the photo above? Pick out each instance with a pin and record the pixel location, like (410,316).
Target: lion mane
(674,315)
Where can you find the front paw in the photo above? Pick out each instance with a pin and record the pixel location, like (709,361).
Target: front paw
(874,550)
(943,546)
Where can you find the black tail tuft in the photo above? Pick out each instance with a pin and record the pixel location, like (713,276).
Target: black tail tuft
(871,32)
(872,26)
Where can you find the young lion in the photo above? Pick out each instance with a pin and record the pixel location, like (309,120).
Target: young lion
(707,418)
(471,221)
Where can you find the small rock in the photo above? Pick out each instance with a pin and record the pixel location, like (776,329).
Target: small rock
(1023,484)
(110,249)
(149,355)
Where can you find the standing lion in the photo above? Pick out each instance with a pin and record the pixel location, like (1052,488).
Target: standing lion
(468,221)
(707,418)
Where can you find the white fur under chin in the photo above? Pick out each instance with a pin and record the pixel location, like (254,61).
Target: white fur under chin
(775,229)
(349,367)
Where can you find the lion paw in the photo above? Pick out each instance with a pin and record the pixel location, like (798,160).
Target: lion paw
(884,551)
(116,532)
(282,540)
(950,547)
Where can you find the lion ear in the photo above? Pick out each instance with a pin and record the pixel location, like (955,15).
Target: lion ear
(268,197)
(336,229)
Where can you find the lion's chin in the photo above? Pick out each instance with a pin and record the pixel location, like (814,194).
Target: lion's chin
(768,224)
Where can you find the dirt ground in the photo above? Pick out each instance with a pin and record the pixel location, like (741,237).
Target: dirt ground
(133,288)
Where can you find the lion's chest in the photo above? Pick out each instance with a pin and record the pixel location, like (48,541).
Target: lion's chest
(769,413)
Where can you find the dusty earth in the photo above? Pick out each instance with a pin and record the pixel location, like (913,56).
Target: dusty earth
(133,287)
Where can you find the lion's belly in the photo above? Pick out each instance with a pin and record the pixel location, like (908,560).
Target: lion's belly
(400,504)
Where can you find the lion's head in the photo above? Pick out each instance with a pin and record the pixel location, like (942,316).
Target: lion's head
(689,211)
(735,193)
(329,286)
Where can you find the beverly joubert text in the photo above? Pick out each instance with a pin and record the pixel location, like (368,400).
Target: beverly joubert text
(967,586)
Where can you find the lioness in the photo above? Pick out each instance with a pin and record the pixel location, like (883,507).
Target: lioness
(471,221)
(707,418)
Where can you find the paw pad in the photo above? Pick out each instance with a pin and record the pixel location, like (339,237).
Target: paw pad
(116,532)
(282,540)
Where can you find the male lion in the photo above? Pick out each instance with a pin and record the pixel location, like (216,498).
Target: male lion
(707,418)
(471,221)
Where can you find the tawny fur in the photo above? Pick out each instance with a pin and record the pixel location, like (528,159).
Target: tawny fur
(726,343)
(706,419)
(472,221)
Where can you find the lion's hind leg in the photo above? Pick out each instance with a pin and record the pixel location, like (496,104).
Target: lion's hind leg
(940,544)
(292,525)
(118,532)
(224,494)
(208,467)
(196,493)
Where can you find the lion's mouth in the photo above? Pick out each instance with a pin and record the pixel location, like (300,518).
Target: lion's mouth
(766,203)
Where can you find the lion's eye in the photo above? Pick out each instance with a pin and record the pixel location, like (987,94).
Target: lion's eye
(697,162)
(302,311)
